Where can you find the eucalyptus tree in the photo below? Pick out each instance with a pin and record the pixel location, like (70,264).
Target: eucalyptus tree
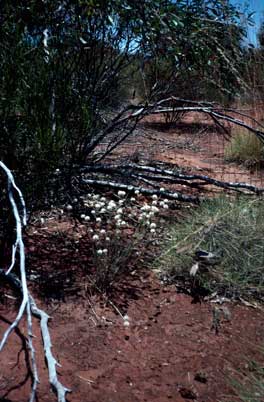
(67,71)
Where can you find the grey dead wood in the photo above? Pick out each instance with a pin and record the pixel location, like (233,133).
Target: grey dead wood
(28,306)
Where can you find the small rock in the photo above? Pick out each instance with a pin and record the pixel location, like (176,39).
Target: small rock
(201,377)
(187,393)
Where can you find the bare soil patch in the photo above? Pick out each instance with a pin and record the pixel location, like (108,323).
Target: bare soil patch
(168,352)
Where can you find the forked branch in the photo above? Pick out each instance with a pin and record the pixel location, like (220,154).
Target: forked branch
(28,305)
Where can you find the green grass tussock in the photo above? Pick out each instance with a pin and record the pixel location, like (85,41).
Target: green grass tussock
(231,229)
(248,385)
(245,148)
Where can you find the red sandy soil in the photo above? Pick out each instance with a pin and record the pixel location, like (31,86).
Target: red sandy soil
(193,145)
(167,353)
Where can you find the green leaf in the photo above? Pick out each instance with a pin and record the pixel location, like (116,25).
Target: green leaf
(111,20)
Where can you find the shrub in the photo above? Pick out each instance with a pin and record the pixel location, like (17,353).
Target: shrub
(119,229)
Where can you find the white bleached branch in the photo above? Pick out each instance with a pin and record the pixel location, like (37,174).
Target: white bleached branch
(28,305)
(51,361)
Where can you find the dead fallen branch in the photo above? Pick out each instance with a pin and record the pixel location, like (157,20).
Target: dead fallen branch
(51,361)
(155,174)
(120,127)
(146,191)
(129,177)
(218,114)
(28,305)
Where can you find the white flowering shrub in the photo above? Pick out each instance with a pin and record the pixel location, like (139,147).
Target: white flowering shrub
(119,229)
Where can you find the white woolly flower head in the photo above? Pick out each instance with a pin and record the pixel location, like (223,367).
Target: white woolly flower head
(146,207)
(111,206)
(154,209)
(95,237)
(121,193)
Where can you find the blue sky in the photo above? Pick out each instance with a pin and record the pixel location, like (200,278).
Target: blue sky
(258,7)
